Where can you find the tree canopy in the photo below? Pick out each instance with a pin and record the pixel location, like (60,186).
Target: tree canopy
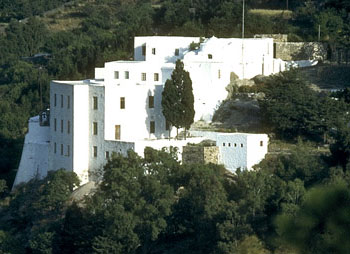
(178,99)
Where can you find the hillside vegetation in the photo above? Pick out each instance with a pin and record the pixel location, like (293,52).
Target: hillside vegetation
(295,201)
(82,35)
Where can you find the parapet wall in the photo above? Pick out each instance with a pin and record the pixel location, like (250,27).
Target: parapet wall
(275,37)
(300,51)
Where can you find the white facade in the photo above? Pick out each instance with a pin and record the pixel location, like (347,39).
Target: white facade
(35,154)
(238,150)
(121,108)
(241,150)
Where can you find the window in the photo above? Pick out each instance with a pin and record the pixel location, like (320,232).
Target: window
(68,150)
(122,102)
(219,74)
(235,145)
(152,127)
(61,100)
(223,144)
(55,147)
(151,101)
(210,56)
(126,75)
(94,128)
(55,100)
(55,124)
(156,76)
(143,76)
(143,50)
(167,125)
(61,149)
(61,126)
(107,154)
(68,101)
(153,51)
(95,106)
(241,145)
(229,144)
(95,151)
(68,127)
(117,132)
(177,51)
(261,143)
(116,75)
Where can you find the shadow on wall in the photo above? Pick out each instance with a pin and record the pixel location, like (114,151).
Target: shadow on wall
(155,120)
(177,55)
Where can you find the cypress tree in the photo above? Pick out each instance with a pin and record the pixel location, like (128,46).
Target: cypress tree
(177,98)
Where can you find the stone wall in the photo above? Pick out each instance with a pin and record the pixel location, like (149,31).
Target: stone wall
(198,154)
(300,51)
(275,37)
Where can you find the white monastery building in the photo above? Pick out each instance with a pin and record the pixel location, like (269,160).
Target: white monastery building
(121,108)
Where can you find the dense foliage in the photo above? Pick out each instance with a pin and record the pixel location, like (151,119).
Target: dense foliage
(156,205)
(290,108)
(106,32)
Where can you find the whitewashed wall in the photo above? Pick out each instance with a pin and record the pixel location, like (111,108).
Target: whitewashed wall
(164,47)
(35,154)
(257,149)
(135,118)
(60,113)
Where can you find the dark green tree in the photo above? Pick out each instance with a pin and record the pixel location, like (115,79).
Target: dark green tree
(321,224)
(340,149)
(177,98)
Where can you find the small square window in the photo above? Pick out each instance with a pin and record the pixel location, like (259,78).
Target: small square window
(107,154)
(95,106)
(229,144)
(235,145)
(143,76)
(126,75)
(177,52)
(152,127)
(156,76)
(223,144)
(151,101)
(261,143)
(241,145)
(122,102)
(210,56)
(153,51)
(116,75)
(95,151)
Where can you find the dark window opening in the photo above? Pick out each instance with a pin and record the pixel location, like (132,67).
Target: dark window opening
(152,127)
(151,101)
(122,102)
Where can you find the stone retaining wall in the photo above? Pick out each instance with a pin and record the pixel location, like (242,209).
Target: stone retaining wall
(300,51)
(203,155)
